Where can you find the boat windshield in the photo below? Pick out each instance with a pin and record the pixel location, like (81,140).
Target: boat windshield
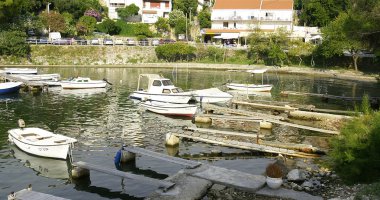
(167,82)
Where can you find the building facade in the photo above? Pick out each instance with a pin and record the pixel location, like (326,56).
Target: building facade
(150,10)
(238,18)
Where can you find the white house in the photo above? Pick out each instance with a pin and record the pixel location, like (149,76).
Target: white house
(150,10)
(234,19)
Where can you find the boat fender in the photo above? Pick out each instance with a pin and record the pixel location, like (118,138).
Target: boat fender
(117,158)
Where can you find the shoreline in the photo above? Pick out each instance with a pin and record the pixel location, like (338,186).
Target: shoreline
(338,74)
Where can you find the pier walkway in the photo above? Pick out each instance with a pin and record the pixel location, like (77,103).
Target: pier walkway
(33,195)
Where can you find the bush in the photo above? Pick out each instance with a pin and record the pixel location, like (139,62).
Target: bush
(108,26)
(132,30)
(274,170)
(175,51)
(14,43)
(355,152)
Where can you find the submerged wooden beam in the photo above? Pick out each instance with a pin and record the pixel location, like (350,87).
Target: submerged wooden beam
(165,185)
(219,132)
(265,106)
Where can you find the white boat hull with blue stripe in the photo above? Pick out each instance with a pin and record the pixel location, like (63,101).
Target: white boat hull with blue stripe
(9,87)
(176,109)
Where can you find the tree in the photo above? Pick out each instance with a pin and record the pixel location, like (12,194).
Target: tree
(108,26)
(77,8)
(338,39)
(299,49)
(204,18)
(93,13)
(128,11)
(86,25)
(175,51)
(178,20)
(53,21)
(162,25)
(186,6)
(70,25)
(13,43)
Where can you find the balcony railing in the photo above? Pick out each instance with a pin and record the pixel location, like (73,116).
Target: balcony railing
(248,18)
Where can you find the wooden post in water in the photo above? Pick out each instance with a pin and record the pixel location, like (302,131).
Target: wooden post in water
(171,140)
(127,156)
(78,172)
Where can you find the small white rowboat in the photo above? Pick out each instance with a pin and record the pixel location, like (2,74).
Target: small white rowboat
(177,109)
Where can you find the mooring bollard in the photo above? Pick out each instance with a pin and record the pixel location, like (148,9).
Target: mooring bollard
(127,156)
(171,140)
(78,172)
(265,125)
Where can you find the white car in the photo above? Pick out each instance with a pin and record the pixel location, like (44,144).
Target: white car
(155,42)
(131,42)
(95,41)
(119,42)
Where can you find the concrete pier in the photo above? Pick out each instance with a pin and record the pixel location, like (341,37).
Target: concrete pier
(33,195)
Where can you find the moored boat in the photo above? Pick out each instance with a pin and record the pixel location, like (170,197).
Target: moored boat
(176,109)
(210,95)
(83,83)
(20,70)
(9,87)
(252,87)
(40,142)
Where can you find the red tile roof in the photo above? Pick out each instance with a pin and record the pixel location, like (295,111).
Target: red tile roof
(254,4)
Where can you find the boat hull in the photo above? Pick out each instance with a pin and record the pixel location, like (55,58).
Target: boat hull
(68,85)
(9,87)
(20,71)
(28,141)
(210,95)
(250,87)
(185,110)
(170,98)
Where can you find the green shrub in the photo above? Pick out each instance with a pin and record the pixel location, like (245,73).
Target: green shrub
(14,43)
(175,52)
(356,151)
(133,30)
(108,26)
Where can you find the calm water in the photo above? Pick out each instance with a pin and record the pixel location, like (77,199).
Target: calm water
(102,120)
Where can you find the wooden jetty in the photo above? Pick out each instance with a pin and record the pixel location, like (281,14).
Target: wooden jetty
(164,185)
(284,108)
(248,145)
(326,96)
(220,133)
(268,118)
(26,194)
(230,122)
(31,85)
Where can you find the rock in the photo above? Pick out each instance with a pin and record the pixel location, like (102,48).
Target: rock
(296,175)
(307,184)
(218,187)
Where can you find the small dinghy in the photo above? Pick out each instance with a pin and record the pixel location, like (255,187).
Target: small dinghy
(9,87)
(176,109)
(40,142)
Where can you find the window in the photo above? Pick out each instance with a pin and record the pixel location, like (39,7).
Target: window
(156,83)
(85,80)
(225,24)
(167,82)
(234,24)
(166,91)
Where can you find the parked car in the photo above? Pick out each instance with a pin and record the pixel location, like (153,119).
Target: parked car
(119,42)
(166,41)
(144,42)
(155,42)
(43,40)
(80,41)
(32,40)
(107,41)
(62,41)
(131,42)
(95,41)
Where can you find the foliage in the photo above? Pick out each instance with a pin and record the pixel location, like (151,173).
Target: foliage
(86,25)
(274,170)
(69,23)
(211,53)
(175,16)
(93,13)
(127,29)
(186,6)
(76,7)
(53,21)
(13,43)
(108,26)
(371,191)
(175,52)
(320,12)
(337,40)
(162,25)
(128,11)
(300,49)
(204,18)
(355,152)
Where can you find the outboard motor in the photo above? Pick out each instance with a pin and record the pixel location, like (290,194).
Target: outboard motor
(21,123)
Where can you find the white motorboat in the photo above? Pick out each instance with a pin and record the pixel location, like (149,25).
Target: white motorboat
(252,87)
(46,167)
(40,142)
(176,109)
(159,89)
(20,70)
(83,83)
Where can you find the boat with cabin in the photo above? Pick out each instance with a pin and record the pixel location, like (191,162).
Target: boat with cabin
(252,87)
(83,83)
(40,142)
(173,109)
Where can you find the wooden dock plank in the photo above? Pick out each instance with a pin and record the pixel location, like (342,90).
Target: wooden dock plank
(188,163)
(161,183)
(304,127)
(265,106)
(33,195)
(219,132)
